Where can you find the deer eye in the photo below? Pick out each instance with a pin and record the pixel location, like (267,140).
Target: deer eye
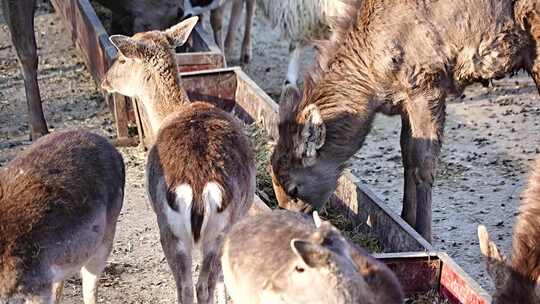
(121,60)
(299,269)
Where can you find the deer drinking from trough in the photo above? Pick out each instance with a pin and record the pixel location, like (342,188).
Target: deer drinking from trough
(518,280)
(407,67)
(286,257)
(19,15)
(200,170)
(59,204)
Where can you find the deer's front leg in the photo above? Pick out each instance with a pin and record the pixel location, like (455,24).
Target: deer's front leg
(426,114)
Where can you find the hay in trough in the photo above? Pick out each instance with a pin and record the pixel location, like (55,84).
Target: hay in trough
(431,297)
(260,142)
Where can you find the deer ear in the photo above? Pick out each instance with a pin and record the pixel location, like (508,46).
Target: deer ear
(495,261)
(313,255)
(179,34)
(312,136)
(127,46)
(290,96)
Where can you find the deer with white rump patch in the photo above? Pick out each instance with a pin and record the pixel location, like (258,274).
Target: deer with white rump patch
(59,204)
(200,170)
(518,280)
(287,257)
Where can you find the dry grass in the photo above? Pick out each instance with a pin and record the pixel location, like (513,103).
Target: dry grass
(431,297)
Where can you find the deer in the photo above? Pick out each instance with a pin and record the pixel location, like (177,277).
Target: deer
(287,257)
(431,50)
(217,9)
(59,204)
(19,16)
(200,170)
(517,280)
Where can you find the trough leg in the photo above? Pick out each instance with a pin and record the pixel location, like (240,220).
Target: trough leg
(426,120)
(19,15)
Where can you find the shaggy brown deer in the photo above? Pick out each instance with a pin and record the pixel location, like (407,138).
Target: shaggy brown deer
(286,257)
(19,16)
(200,170)
(518,280)
(59,204)
(407,67)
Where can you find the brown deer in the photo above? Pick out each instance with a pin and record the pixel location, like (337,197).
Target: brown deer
(19,15)
(59,204)
(429,50)
(518,280)
(200,170)
(286,257)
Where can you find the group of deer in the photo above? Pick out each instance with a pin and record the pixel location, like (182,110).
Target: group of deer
(59,200)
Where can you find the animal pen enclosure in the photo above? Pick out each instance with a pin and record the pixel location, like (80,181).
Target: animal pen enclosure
(418,267)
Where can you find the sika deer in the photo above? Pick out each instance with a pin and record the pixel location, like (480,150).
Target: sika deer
(283,257)
(200,170)
(59,203)
(518,280)
(430,50)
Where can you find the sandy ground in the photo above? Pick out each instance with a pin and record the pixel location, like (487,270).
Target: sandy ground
(490,143)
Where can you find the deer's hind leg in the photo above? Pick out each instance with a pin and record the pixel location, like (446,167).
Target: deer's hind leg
(425,115)
(178,254)
(210,271)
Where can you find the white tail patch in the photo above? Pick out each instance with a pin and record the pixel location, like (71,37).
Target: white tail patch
(212,197)
(180,221)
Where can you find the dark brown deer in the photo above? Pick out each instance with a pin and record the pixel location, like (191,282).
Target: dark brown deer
(200,170)
(518,280)
(59,204)
(400,57)
(19,15)
(286,257)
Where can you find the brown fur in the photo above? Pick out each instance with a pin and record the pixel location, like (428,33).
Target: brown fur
(402,57)
(213,148)
(48,192)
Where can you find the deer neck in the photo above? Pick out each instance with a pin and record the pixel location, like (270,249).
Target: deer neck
(163,95)
(345,98)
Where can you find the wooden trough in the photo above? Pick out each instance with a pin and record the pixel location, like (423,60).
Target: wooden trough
(92,41)
(418,267)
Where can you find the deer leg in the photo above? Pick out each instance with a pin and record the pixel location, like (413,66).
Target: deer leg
(19,17)
(236,11)
(216,20)
(210,272)
(178,255)
(408,213)
(57,291)
(44,298)
(426,117)
(294,64)
(91,272)
(246,53)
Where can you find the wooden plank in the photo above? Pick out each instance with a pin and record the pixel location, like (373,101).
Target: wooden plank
(457,286)
(120,116)
(418,272)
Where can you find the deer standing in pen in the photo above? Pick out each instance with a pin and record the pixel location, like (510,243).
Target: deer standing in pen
(200,170)
(518,280)
(59,204)
(400,57)
(286,257)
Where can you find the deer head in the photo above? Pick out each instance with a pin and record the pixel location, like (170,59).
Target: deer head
(510,285)
(144,55)
(302,180)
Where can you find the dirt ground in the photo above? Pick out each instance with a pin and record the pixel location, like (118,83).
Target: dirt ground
(491,141)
